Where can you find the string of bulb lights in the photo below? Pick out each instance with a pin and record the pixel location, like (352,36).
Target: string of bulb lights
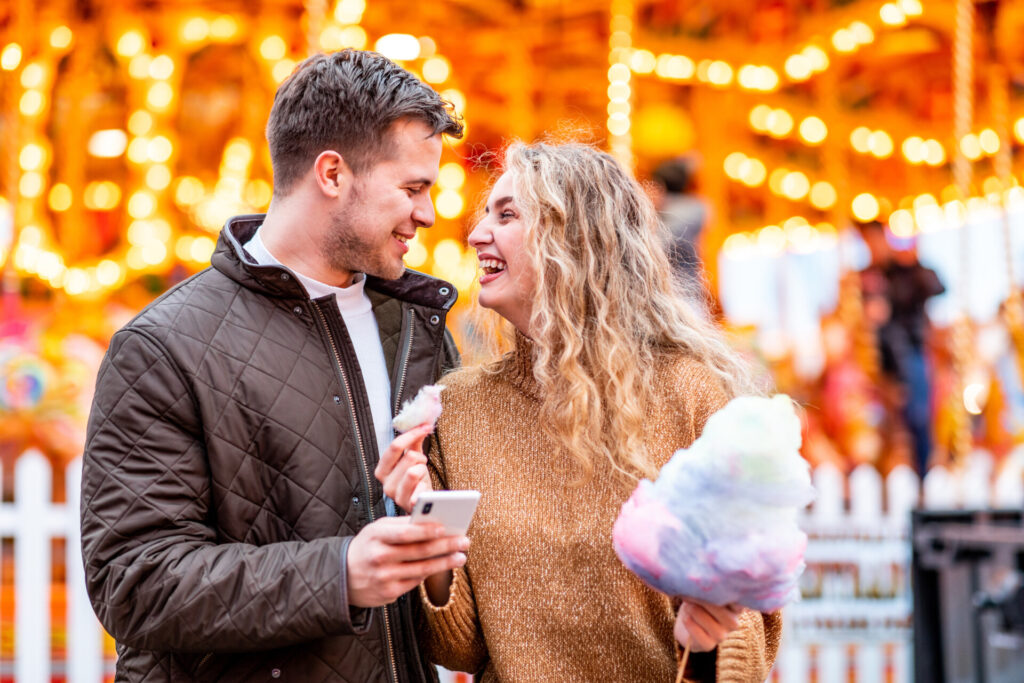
(154,197)
(906,215)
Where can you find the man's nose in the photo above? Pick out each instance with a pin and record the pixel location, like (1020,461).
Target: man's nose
(423,212)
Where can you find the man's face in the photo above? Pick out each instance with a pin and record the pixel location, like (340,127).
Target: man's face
(386,204)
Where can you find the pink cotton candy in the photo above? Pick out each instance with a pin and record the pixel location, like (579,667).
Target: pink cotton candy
(719,524)
(637,530)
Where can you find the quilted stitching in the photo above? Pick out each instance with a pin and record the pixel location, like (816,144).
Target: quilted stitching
(217,484)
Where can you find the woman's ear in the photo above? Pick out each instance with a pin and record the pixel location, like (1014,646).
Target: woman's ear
(332,174)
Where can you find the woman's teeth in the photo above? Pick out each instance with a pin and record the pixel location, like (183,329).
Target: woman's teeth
(491,266)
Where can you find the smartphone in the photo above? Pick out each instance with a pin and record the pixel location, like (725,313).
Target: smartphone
(453,509)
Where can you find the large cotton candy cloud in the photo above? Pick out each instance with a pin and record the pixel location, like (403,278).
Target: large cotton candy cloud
(720,522)
(423,409)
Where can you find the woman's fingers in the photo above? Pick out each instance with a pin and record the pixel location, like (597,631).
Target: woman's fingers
(705,625)
(424,485)
(412,440)
(722,615)
(707,622)
(405,478)
(411,484)
(690,634)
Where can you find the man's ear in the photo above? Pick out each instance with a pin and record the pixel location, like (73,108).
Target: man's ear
(333,176)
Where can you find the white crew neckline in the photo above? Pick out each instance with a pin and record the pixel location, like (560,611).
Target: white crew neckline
(352,300)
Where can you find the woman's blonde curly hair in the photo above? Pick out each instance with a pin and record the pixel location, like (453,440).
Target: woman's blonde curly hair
(606,304)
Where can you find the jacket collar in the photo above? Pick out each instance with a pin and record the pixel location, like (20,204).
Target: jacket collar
(231,259)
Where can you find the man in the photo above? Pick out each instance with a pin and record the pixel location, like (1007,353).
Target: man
(896,288)
(231,527)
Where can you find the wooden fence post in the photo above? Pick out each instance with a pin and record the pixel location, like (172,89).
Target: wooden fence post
(33,484)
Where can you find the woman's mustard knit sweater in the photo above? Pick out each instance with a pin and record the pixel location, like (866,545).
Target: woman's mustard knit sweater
(542,596)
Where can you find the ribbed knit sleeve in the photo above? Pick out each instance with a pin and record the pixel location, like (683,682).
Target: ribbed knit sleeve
(748,653)
(454,639)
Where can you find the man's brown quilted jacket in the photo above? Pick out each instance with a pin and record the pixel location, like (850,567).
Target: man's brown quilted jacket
(228,464)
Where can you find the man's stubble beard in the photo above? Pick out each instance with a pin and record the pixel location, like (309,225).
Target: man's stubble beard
(346,249)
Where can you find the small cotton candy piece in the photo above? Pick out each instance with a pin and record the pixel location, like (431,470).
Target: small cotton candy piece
(425,408)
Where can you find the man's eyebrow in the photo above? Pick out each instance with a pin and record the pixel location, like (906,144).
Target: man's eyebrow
(420,181)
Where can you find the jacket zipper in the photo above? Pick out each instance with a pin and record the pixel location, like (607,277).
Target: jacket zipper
(403,365)
(366,473)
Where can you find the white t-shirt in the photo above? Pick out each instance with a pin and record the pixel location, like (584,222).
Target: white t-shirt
(356,310)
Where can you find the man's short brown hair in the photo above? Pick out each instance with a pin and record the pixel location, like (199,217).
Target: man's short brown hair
(346,101)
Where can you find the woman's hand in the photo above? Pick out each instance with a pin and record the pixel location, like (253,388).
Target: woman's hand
(701,626)
(403,467)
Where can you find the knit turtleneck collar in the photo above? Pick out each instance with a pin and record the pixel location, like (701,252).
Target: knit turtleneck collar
(520,366)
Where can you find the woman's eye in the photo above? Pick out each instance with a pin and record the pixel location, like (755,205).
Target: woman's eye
(506,215)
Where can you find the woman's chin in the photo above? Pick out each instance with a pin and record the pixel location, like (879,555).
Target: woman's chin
(488,302)
(492,305)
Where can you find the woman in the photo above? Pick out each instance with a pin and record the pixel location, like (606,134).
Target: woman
(611,373)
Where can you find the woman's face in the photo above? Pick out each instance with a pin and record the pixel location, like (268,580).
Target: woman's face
(506,278)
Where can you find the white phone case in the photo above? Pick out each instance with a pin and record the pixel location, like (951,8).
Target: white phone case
(453,509)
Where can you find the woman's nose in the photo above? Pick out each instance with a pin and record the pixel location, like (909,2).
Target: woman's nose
(480,235)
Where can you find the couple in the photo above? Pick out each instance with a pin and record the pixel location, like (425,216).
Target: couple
(233,524)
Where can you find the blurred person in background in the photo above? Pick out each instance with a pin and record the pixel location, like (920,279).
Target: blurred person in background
(684,214)
(230,527)
(896,287)
(612,371)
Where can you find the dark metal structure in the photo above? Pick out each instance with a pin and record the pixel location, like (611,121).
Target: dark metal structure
(968,587)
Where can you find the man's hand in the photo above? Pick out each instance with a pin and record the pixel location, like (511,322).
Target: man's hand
(403,468)
(702,626)
(391,556)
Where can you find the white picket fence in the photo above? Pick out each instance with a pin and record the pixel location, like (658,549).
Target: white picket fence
(855,616)
(32,520)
